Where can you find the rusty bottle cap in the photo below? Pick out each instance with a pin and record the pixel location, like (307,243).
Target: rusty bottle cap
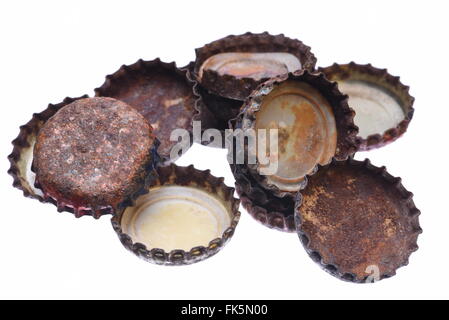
(187,216)
(233,66)
(93,155)
(383,105)
(314,124)
(357,221)
(74,167)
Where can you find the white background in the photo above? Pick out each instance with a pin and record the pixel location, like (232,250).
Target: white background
(49,50)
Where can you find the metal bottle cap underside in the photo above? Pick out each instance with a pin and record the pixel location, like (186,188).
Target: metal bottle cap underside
(307,133)
(176,217)
(377,109)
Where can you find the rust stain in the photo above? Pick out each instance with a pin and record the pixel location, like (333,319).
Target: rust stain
(355,219)
(92,152)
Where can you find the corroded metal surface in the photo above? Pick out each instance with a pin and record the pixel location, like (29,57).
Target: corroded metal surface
(22,155)
(355,219)
(92,154)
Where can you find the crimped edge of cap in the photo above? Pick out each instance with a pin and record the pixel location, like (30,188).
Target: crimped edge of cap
(260,203)
(216,111)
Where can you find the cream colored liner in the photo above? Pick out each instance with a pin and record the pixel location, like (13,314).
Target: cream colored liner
(176,217)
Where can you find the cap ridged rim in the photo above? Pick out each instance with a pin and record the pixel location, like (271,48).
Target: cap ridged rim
(217,110)
(271,211)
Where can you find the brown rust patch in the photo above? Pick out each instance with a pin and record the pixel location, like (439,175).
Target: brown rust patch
(283,136)
(355,218)
(160,92)
(93,153)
